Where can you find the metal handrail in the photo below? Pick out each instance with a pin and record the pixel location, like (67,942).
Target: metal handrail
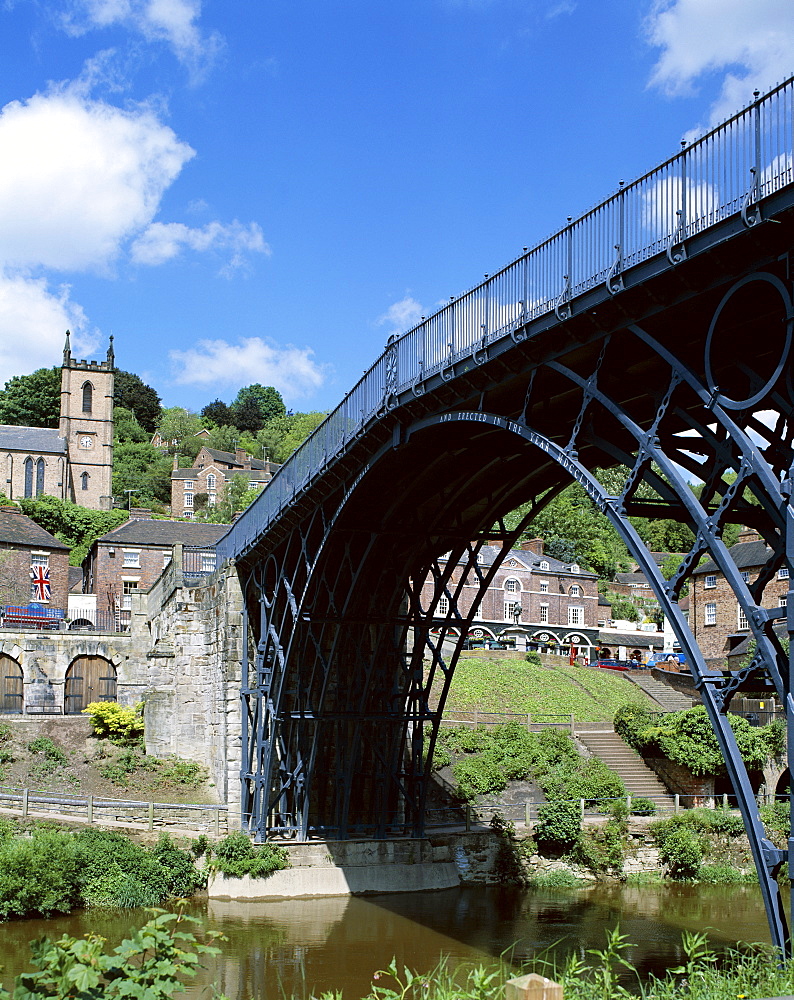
(727,172)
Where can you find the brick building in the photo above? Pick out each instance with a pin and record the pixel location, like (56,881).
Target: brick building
(28,551)
(75,461)
(131,557)
(717,621)
(209,474)
(546,603)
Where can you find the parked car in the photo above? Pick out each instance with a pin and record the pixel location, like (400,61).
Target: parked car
(612,664)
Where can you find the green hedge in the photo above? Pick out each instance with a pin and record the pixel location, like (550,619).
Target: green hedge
(687,738)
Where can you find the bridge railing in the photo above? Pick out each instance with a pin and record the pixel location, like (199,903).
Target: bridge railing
(727,171)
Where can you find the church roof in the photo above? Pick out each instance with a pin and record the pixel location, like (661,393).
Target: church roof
(19,529)
(40,440)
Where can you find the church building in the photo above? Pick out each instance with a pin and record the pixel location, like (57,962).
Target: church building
(75,460)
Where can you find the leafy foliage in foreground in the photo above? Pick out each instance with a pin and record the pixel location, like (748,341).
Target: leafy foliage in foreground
(604,973)
(152,964)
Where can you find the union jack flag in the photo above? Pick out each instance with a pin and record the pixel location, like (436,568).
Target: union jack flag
(40,575)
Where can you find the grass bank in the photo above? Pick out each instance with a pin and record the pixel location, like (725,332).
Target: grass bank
(513,685)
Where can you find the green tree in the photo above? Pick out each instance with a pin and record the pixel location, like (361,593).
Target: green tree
(133,394)
(126,426)
(624,609)
(217,413)
(76,526)
(255,404)
(32,400)
(176,426)
(224,438)
(282,435)
(139,466)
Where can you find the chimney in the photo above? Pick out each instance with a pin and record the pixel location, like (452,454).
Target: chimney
(532,545)
(240,456)
(749,535)
(176,462)
(495,542)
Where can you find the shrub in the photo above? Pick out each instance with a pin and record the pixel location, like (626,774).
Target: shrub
(559,824)
(176,771)
(681,853)
(117,872)
(180,868)
(123,726)
(601,848)
(479,775)
(643,807)
(533,658)
(38,875)
(44,747)
(236,856)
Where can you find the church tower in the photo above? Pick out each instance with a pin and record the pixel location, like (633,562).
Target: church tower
(87,426)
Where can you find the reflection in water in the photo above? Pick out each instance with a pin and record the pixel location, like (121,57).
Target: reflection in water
(283,947)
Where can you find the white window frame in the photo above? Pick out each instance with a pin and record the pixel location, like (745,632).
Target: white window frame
(782,601)
(207,562)
(545,566)
(710,613)
(129,587)
(575,615)
(741,618)
(746,575)
(543,618)
(166,559)
(544,586)
(189,501)
(442,608)
(132,558)
(512,586)
(211,480)
(782,573)
(576,590)
(709,581)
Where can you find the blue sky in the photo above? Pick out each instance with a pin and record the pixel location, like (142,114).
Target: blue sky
(264,191)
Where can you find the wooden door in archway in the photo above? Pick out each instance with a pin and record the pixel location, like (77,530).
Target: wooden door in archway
(89,678)
(11,696)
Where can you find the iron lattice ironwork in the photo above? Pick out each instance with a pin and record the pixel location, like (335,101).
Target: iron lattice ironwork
(669,362)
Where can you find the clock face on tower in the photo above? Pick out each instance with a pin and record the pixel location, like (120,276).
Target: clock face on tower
(86,441)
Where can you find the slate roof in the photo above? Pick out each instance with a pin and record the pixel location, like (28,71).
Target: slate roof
(632,579)
(42,440)
(231,459)
(166,533)
(75,579)
(531,561)
(636,639)
(18,529)
(744,554)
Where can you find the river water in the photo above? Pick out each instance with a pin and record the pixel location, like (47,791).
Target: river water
(303,947)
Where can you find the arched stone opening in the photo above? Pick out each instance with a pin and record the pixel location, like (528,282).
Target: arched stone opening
(88,679)
(11,686)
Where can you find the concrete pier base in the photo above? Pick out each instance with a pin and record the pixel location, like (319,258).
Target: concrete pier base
(348,868)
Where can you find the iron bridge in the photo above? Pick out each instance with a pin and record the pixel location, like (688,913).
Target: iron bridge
(652,333)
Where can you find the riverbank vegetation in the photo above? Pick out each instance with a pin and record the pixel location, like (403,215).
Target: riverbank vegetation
(687,738)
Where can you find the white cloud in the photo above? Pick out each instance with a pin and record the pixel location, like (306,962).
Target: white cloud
(164,241)
(402,315)
(217,362)
(751,42)
(171,21)
(78,178)
(33,320)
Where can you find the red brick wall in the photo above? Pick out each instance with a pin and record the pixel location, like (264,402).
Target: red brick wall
(15,576)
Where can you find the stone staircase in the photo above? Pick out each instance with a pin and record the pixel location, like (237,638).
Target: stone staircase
(666,697)
(638,778)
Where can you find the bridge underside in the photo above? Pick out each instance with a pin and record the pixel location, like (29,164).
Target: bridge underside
(682,373)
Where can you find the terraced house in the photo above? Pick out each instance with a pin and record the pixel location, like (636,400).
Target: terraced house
(211,471)
(717,620)
(533,600)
